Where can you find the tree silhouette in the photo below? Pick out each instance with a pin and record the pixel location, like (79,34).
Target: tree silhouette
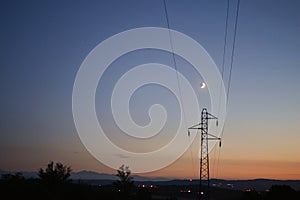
(125,183)
(282,192)
(54,174)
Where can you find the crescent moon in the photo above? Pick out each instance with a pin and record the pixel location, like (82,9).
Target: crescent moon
(203,85)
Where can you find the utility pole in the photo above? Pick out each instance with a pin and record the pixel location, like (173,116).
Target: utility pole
(204,158)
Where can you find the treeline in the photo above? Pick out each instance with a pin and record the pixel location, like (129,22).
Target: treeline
(276,192)
(54,184)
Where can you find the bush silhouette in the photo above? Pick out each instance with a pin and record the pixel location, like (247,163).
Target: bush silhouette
(282,192)
(55,174)
(124,185)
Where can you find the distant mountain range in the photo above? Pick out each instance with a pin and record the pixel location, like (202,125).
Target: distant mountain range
(88,175)
(95,178)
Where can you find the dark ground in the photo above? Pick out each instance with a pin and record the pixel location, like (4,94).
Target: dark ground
(36,189)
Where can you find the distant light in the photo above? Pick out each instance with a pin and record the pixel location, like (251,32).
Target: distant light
(201,192)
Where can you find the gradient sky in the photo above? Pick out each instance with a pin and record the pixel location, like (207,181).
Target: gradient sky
(43,44)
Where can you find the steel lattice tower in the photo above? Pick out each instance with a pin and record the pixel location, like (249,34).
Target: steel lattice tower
(204,159)
(204,154)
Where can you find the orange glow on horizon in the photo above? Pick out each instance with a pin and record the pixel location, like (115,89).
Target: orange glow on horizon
(235,169)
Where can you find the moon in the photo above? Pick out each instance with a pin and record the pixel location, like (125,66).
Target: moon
(203,85)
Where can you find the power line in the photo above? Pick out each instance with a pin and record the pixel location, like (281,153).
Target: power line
(177,77)
(224,54)
(232,54)
(223,59)
(225,38)
(233,48)
(231,64)
(174,60)
(222,73)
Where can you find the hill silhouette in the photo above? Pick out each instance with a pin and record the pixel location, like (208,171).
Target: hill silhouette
(95,178)
(57,181)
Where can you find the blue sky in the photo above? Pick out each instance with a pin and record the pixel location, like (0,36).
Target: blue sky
(43,44)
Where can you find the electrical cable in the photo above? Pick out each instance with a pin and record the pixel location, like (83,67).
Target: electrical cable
(177,78)
(231,66)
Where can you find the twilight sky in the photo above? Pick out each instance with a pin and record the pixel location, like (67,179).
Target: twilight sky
(43,44)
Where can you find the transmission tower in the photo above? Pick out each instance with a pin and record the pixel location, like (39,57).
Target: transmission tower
(204,158)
